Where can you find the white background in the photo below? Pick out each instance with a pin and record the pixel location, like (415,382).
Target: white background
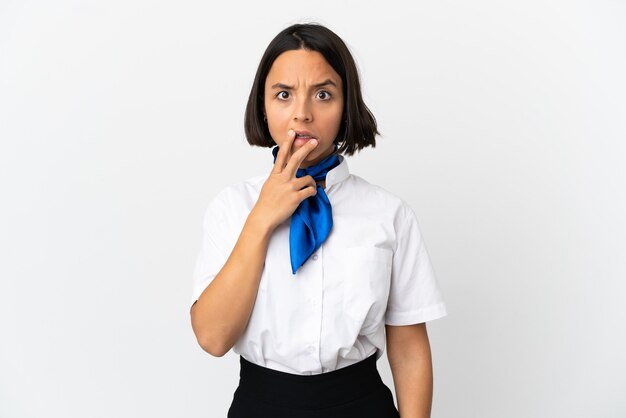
(504,126)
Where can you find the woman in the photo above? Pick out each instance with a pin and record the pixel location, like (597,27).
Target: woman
(306,272)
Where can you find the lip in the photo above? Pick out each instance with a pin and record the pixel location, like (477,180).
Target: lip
(303,132)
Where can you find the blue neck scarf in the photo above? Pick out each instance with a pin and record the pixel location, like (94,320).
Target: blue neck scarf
(312,220)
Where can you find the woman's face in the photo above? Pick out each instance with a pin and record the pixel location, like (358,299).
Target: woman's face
(304,93)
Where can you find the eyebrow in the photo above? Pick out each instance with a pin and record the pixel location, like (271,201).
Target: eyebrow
(327,82)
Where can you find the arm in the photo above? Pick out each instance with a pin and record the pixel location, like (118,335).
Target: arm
(222,311)
(408,351)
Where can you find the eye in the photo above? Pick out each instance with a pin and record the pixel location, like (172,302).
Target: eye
(281,95)
(325,95)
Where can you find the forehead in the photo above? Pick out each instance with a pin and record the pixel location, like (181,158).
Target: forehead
(301,66)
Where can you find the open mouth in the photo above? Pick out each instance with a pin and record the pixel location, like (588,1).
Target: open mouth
(304,135)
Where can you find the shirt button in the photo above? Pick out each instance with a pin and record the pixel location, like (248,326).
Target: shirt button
(314,257)
(311,349)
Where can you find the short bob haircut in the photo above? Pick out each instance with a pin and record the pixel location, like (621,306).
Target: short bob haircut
(358,126)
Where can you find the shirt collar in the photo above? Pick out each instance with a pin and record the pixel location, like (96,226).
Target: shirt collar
(338,173)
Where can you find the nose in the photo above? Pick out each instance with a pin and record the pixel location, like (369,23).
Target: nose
(302,111)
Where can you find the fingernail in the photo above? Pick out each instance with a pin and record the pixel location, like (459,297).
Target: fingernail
(314,141)
(290,132)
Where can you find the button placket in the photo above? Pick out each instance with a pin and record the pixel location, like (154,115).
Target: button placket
(315,301)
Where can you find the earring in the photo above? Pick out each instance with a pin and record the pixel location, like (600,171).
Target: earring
(265,118)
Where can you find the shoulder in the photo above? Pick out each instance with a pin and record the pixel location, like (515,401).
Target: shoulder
(243,188)
(378,196)
(237,196)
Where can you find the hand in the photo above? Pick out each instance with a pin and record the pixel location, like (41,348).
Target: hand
(282,192)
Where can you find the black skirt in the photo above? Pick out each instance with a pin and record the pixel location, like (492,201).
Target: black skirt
(353,391)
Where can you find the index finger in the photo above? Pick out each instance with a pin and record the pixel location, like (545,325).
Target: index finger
(283,152)
(299,156)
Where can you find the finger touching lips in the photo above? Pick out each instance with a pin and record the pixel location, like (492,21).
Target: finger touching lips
(301,141)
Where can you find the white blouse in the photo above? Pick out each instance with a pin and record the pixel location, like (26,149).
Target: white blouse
(372,270)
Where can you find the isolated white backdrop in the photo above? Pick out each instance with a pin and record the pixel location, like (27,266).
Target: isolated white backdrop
(503,126)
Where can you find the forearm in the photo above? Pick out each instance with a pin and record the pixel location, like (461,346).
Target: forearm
(222,311)
(413,380)
(408,351)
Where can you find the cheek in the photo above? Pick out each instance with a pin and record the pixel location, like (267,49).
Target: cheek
(277,116)
(277,122)
(333,120)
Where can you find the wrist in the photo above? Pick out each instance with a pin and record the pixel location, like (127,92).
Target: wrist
(259,224)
